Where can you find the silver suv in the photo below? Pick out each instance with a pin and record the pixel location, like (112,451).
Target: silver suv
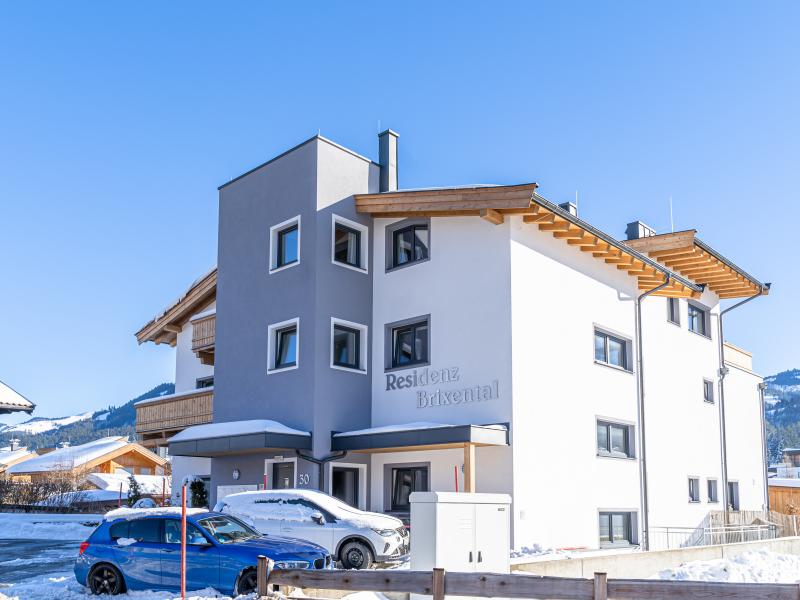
(355,537)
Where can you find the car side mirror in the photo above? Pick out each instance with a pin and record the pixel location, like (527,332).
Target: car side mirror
(318,518)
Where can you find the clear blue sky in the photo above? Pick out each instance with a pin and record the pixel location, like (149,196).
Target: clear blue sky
(118,122)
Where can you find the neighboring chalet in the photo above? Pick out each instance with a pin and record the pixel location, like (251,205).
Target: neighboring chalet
(106,455)
(12,401)
(11,455)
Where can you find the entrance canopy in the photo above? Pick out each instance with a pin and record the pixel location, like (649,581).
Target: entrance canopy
(419,436)
(238,437)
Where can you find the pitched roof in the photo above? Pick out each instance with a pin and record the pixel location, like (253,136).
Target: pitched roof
(12,401)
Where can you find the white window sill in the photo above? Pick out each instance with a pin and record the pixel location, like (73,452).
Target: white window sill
(702,335)
(349,370)
(284,267)
(411,263)
(351,267)
(615,456)
(610,366)
(282,369)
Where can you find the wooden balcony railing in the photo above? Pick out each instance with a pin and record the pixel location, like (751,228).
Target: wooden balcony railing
(175,412)
(204,333)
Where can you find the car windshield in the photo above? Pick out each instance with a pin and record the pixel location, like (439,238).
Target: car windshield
(227,530)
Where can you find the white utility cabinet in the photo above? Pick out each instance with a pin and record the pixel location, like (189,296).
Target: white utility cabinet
(460,532)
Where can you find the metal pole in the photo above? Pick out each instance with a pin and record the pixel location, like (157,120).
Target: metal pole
(765,458)
(183,542)
(644,542)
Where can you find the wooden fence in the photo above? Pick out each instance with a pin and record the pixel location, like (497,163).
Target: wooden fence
(497,585)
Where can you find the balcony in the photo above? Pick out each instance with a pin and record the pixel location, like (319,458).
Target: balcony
(204,329)
(160,418)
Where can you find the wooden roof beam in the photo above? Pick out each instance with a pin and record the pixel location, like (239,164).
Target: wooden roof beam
(570,234)
(558,225)
(492,216)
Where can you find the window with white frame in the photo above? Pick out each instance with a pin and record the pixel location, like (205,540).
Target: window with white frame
(284,240)
(712,490)
(708,391)
(283,346)
(348,345)
(698,319)
(349,243)
(612,350)
(614,439)
(674,310)
(694,489)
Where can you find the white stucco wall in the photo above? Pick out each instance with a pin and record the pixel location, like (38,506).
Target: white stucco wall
(188,368)
(183,466)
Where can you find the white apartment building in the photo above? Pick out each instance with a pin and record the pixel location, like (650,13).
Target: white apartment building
(373,341)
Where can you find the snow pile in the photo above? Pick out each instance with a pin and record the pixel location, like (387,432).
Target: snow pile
(47,526)
(126,541)
(287,505)
(148,484)
(70,498)
(215,430)
(755,566)
(70,457)
(134,513)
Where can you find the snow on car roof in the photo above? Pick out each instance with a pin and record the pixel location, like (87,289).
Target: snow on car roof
(135,513)
(215,430)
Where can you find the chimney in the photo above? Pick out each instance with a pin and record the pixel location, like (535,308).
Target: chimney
(14,444)
(387,158)
(570,207)
(637,230)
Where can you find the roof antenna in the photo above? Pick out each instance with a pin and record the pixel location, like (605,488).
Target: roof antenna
(671,221)
(576,199)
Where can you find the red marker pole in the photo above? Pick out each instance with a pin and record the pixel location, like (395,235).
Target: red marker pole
(163,491)
(455,475)
(183,541)
(265,481)
(119,501)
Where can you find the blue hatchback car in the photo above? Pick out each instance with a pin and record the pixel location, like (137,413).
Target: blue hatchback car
(141,551)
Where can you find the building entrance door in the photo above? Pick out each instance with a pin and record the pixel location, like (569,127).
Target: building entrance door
(282,475)
(344,485)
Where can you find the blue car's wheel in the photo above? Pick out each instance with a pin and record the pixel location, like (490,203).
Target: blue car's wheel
(106,579)
(248,582)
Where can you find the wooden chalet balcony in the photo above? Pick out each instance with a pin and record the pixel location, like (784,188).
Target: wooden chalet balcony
(161,418)
(204,333)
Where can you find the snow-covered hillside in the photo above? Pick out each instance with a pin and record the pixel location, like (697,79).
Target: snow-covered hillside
(785,382)
(42,424)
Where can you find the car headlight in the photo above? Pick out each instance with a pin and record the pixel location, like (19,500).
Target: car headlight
(385,532)
(292,564)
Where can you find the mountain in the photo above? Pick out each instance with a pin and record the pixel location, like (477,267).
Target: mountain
(42,432)
(782,411)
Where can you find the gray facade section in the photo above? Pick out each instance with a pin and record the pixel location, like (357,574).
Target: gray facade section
(314,180)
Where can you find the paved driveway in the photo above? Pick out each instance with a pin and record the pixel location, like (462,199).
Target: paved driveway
(22,559)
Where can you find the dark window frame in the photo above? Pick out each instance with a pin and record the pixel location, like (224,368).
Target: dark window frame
(391,234)
(626,350)
(359,262)
(674,311)
(694,489)
(627,539)
(394,485)
(279,335)
(357,350)
(708,391)
(608,452)
(413,325)
(733,495)
(281,261)
(203,382)
(712,497)
(693,312)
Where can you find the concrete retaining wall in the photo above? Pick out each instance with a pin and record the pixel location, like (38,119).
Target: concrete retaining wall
(643,565)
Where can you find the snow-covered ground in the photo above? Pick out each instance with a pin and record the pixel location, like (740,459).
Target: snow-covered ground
(755,566)
(47,526)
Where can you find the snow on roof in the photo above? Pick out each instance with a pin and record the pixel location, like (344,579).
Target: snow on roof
(135,513)
(149,484)
(70,498)
(409,427)
(174,396)
(784,482)
(65,459)
(216,430)
(11,400)
(9,456)
(204,314)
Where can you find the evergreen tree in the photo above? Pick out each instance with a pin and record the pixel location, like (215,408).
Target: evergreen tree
(199,494)
(134,491)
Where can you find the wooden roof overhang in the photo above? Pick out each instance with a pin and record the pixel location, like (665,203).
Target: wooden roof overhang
(492,203)
(165,327)
(686,254)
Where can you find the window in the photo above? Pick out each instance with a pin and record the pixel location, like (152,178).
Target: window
(674,310)
(284,244)
(349,244)
(611,350)
(409,344)
(405,481)
(205,382)
(172,533)
(145,530)
(733,495)
(283,346)
(407,243)
(616,529)
(614,439)
(348,345)
(708,391)
(712,490)
(698,320)
(694,489)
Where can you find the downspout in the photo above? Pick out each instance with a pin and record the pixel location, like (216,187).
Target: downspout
(723,370)
(320,462)
(761,387)
(645,541)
